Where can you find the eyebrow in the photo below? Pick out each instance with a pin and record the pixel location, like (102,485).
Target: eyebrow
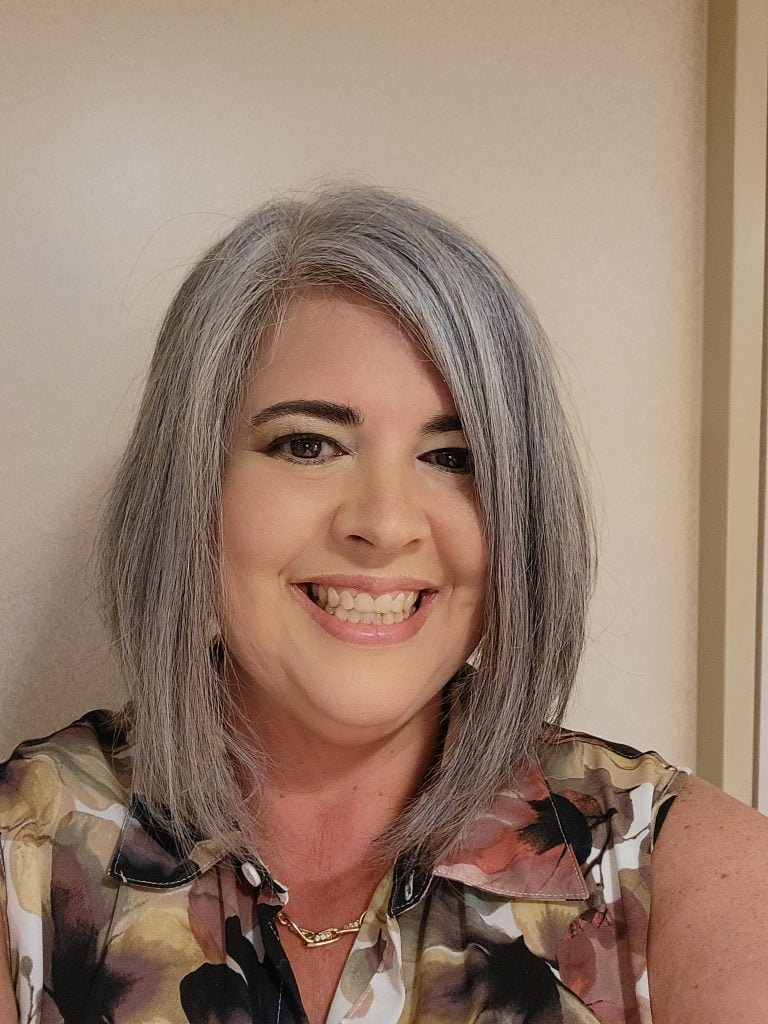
(347,415)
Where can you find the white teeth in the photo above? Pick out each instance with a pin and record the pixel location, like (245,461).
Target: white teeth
(364,602)
(353,615)
(385,609)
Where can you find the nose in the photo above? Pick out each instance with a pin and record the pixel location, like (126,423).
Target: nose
(382,508)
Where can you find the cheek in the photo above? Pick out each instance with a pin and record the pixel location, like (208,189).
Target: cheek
(462,536)
(469,567)
(259,539)
(249,532)
(260,525)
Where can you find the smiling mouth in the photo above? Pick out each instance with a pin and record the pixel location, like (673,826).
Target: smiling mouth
(358,606)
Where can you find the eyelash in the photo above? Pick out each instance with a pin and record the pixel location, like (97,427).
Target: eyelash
(274,446)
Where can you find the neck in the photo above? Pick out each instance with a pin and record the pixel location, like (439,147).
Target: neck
(332,797)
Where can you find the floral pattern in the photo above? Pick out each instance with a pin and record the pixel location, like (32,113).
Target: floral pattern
(540,918)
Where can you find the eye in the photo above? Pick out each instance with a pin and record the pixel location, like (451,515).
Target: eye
(455,460)
(301,448)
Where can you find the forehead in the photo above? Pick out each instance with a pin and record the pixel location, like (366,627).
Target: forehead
(340,345)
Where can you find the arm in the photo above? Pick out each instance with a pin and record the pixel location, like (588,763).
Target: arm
(707,958)
(9,1013)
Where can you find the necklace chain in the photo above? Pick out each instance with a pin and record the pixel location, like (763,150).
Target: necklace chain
(325,936)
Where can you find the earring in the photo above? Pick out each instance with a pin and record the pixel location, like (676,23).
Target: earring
(215,641)
(217,651)
(212,632)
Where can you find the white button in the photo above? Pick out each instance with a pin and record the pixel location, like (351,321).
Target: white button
(251,874)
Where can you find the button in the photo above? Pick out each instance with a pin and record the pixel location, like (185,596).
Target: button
(252,874)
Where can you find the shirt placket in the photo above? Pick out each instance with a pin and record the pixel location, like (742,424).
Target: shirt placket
(383,1000)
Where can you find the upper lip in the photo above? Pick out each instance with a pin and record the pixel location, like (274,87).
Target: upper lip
(371,584)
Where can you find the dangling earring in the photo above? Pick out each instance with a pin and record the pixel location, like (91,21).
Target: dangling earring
(476,655)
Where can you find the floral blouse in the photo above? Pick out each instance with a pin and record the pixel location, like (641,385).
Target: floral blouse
(542,917)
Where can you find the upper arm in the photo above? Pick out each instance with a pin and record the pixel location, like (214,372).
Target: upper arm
(9,1011)
(707,959)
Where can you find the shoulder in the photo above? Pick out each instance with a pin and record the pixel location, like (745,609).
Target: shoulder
(707,959)
(63,800)
(82,766)
(583,767)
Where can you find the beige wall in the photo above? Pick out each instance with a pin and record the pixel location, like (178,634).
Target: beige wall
(568,134)
(732,652)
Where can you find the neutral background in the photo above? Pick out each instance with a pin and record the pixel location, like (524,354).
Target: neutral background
(567,134)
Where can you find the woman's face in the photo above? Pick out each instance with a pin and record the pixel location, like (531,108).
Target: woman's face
(361,501)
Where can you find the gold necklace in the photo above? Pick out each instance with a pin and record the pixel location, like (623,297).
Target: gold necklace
(323,937)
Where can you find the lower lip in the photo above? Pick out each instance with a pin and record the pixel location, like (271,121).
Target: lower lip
(368,633)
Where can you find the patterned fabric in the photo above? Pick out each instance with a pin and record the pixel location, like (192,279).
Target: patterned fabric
(542,918)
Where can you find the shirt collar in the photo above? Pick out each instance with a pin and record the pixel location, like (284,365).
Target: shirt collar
(528,845)
(148,855)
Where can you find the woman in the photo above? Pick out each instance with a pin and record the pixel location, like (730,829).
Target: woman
(347,560)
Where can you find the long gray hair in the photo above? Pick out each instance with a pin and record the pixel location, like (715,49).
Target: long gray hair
(160,542)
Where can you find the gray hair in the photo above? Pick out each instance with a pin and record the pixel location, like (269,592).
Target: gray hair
(160,542)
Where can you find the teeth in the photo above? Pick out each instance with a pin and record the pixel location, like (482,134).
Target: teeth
(364,603)
(386,609)
(387,619)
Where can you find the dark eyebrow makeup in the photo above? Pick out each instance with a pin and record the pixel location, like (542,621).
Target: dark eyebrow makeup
(346,415)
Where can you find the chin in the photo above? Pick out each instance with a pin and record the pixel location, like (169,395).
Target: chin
(354,722)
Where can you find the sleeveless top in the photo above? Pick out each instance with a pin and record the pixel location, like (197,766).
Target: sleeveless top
(541,917)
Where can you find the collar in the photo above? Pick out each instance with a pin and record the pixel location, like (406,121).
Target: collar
(528,845)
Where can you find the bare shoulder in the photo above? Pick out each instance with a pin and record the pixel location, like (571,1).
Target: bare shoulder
(707,959)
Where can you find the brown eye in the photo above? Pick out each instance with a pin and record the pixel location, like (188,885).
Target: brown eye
(303,448)
(454,460)
(306,447)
